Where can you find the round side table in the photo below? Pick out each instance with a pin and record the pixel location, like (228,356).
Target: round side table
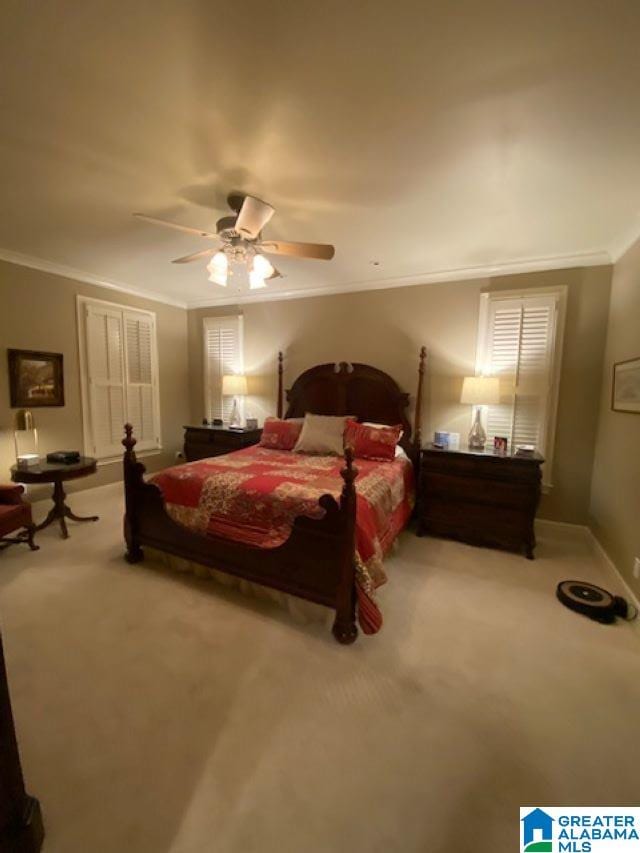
(57,473)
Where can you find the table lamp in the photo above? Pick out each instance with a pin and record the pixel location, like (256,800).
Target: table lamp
(25,436)
(479,391)
(234,385)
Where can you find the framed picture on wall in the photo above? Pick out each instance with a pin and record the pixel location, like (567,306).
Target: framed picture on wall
(35,378)
(625,396)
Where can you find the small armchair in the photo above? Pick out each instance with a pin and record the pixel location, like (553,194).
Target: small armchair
(15,515)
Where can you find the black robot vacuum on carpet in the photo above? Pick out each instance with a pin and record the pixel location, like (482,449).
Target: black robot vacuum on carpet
(592,601)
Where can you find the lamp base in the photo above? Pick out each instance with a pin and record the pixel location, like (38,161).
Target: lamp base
(477,435)
(236,420)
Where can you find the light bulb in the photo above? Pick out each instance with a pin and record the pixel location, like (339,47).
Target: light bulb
(262,267)
(218,279)
(256,280)
(219,263)
(218,267)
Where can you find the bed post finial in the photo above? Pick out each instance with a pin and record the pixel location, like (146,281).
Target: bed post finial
(129,441)
(280,392)
(417,429)
(348,473)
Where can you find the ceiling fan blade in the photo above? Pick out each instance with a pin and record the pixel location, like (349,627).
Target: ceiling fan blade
(254,215)
(175,226)
(186,259)
(320,251)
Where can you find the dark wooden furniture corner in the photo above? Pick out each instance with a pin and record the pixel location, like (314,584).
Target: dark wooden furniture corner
(21,828)
(15,517)
(202,442)
(57,473)
(480,498)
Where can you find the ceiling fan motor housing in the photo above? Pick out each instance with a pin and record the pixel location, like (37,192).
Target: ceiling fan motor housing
(225,227)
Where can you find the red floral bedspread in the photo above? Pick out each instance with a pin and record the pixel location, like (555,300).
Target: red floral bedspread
(254,495)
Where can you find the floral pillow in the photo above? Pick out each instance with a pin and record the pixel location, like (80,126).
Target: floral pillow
(280,435)
(373,442)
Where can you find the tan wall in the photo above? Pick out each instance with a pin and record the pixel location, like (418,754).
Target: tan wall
(615,491)
(387,327)
(38,311)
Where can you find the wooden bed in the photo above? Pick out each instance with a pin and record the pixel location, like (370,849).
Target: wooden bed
(317,561)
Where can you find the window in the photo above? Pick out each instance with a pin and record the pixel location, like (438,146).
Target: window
(119,373)
(520,341)
(222,355)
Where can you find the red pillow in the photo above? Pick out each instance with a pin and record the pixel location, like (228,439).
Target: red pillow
(280,435)
(372,442)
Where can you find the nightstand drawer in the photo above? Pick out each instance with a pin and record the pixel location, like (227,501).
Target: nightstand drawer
(495,492)
(202,442)
(481,466)
(469,515)
(199,450)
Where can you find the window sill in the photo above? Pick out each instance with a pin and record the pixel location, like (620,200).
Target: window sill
(141,454)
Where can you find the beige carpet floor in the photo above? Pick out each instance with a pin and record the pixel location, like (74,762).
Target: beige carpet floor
(159,713)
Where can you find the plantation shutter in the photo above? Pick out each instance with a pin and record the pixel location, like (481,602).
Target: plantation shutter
(519,349)
(140,378)
(223,355)
(119,378)
(104,350)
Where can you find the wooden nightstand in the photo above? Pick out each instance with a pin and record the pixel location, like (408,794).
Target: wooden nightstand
(201,442)
(480,498)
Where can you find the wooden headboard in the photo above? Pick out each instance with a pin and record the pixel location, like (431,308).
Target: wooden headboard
(355,389)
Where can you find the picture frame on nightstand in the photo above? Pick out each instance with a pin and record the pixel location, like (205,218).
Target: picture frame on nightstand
(500,445)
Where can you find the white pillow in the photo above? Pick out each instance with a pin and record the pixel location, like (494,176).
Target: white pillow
(322,434)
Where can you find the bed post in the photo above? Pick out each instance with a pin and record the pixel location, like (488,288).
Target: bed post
(344,627)
(417,429)
(280,371)
(133,471)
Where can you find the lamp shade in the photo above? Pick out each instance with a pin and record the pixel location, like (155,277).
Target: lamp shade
(481,390)
(234,385)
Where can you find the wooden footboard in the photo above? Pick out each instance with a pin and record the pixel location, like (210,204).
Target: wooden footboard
(317,562)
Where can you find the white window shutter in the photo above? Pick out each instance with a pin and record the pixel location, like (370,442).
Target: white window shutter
(519,349)
(140,375)
(104,351)
(223,355)
(119,376)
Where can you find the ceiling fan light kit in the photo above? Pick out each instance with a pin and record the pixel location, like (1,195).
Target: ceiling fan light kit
(262,267)
(218,268)
(242,244)
(256,281)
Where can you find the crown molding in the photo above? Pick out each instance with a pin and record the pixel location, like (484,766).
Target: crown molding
(556,262)
(88,278)
(622,246)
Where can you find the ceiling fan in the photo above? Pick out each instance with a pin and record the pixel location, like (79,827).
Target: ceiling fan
(242,243)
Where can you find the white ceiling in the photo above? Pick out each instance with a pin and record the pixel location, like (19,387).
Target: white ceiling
(438,139)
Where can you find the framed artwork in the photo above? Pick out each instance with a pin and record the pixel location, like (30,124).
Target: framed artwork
(625,396)
(500,445)
(35,378)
